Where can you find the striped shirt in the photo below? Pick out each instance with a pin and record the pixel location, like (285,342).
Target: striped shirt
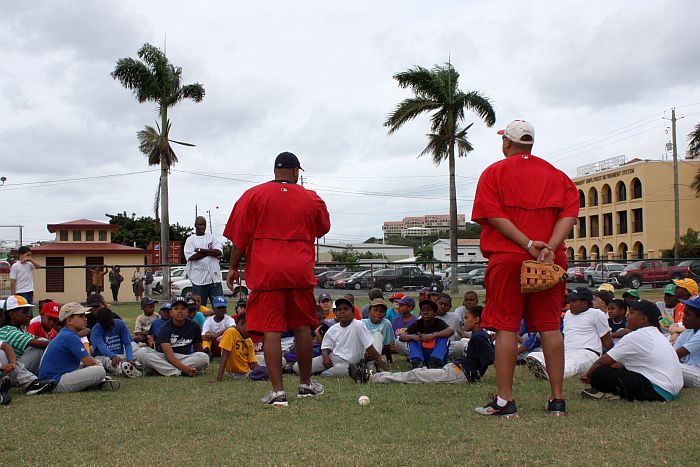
(16,338)
(206,270)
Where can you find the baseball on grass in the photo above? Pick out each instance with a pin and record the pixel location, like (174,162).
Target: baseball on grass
(363,400)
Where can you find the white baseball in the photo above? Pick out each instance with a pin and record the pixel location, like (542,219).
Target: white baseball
(363,400)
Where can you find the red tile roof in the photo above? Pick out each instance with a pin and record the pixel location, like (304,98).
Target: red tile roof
(87,248)
(82,224)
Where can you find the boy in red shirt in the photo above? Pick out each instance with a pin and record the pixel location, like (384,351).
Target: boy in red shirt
(49,325)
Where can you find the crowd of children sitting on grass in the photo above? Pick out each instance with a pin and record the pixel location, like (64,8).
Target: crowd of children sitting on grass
(624,348)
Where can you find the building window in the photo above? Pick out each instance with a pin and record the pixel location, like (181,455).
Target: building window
(582,227)
(103,236)
(571,234)
(593,197)
(595,231)
(76,236)
(54,277)
(608,225)
(637,220)
(622,222)
(63,235)
(89,235)
(581,199)
(621,190)
(607,194)
(636,189)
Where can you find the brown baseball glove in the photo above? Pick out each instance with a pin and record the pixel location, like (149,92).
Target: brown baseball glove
(536,276)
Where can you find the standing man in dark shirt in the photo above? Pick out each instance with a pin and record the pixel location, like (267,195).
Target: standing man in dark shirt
(178,346)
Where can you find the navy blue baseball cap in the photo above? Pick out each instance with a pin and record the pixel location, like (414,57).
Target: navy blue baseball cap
(178,300)
(693,302)
(218,302)
(287,160)
(166,306)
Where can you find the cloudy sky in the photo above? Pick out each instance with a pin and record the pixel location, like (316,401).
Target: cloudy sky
(315,78)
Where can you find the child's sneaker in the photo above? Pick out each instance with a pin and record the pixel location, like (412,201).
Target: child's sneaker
(312,389)
(108,384)
(275,399)
(556,407)
(434,363)
(39,386)
(5,398)
(5,384)
(508,411)
(416,363)
(594,394)
(129,370)
(537,368)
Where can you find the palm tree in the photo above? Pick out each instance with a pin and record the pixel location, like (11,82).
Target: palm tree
(152,78)
(436,91)
(694,150)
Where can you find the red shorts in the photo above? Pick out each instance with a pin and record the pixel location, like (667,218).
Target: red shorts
(506,306)
(280,310)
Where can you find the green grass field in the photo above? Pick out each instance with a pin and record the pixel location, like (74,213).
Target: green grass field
(176,421)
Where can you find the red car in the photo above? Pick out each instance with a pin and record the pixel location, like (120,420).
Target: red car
(4,267)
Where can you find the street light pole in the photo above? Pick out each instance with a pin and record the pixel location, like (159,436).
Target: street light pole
(676,195)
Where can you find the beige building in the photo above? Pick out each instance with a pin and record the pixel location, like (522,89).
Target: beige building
(416,226)
(627,210)
(82,243)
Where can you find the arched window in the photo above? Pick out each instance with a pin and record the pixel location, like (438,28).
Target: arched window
(621,191)
(582,253)
(622,250)
(581,199)
(606,194)
(636,189)
(570,254)
(593,197)
(607,249)
(639,250)
(595,251)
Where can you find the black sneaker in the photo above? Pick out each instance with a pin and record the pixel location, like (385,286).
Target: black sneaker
(360,372)
(556,407)
(434,363)
(5,384)
(5,398)
(509,411)
(39,386)
(415,363)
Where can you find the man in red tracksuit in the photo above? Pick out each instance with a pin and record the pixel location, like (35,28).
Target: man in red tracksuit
(526,208)
(274,225)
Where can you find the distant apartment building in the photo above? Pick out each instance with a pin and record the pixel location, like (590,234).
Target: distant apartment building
(626,209)
(419,226)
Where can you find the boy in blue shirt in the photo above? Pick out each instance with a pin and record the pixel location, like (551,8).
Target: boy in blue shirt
(156,325)
(381,329)
(111,344)
(66,353)
(468,368)
(687,345)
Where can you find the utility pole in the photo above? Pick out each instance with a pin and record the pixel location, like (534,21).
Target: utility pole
(676,195)
(302,180)
(196,212)
(210,228)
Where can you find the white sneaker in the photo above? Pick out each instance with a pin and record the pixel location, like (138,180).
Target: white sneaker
(129,370)
(312,389)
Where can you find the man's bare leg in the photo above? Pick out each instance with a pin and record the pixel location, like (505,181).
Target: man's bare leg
(303,348)
(272,348)
(506,355)
(553,349)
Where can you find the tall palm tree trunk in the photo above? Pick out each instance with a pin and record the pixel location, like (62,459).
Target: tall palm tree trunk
(164,212)
(454,287)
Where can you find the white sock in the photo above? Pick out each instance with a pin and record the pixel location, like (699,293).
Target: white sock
(501,402)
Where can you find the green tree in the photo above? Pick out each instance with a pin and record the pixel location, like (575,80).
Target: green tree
(689,246)
(424,254)
(694,149)
(152,78)
(141,231)
(436,91)
(346,255)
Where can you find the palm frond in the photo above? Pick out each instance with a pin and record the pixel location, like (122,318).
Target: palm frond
(155,146)
(478,104)
(156,200)
(421,81)
(694,140)
(438,148)
(695,185)
(194,91)
(137,77)
(408,110)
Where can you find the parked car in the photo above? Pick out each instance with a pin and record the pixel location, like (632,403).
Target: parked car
(478,277)
(577,273)
(463,271)
(602,272)
(183,287)
(404,277)
(650,271)
(177,273)
(359,280)
(325,278)
(339,279)
(693,266)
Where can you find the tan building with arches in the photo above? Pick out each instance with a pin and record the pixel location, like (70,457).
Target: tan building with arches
(627,211)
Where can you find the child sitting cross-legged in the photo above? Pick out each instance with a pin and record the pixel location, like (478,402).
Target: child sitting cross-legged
(344,344)
(643,366)
(237,351)
(111,343)
(380,327)
(215,326)
(144,320)
(688,343)
(427,338)
(586,334)
(470,367)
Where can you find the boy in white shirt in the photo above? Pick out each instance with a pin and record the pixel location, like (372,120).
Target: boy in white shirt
(643,366)
(344,344)
(214,327)
(586,335)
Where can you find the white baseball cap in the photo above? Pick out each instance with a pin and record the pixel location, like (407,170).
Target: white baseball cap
(517,129)
(16,301)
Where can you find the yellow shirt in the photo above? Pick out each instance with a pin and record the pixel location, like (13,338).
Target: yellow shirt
(242,352)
